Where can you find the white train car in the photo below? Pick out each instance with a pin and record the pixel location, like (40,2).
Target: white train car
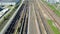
(3,11)
(6,26)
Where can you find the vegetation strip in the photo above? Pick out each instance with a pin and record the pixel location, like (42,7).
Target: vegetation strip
(52,8)
(55,29)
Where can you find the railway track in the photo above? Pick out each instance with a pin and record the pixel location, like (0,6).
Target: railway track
(33,27)
(39,19)
(44,21)
(11,28)
(23,29)
(51,14)
(19,23)
(30,20)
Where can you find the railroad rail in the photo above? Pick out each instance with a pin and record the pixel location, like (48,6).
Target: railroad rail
(11,19)
(51,14)
(11,29)
(42,27)
(30,19)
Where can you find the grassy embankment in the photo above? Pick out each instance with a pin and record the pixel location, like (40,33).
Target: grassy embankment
(57,12)
(50,22)
(55,29)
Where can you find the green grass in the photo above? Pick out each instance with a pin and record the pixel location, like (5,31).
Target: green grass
(54,9)
(57,12)
(56,31)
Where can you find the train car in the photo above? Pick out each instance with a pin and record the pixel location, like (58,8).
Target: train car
(3,11)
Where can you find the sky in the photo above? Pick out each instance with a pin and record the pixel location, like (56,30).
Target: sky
(57,0)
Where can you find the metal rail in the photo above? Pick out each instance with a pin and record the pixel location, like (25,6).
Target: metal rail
(11,19)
